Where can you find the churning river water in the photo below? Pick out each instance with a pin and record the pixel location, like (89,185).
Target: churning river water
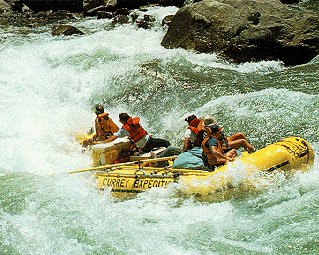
(48,87)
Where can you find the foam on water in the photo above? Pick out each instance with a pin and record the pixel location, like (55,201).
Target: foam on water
(47,84)
(48,88)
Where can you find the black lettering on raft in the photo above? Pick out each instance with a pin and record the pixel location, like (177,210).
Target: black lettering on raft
(143,183)
(116,182)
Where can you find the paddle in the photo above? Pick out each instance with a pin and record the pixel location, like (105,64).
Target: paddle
(122,164)
(174,170)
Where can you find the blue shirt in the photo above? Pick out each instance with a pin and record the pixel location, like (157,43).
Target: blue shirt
(212,142)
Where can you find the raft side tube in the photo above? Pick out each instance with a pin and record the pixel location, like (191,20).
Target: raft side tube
(288,155)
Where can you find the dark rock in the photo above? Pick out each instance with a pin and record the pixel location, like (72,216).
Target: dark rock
(104,15)
(15,5)
(149,18)
(122,11)
(111,5)
(123,6)
(120,19)
(65,30)
(47,5)
(177,3)
(311,5)
(95,10)
(106,6)
(39,19)
(134,15)
(4,6)
(91,4)
(246,30)
(144,4)
(167,21)
(147,22)
(290,1)
(145,8)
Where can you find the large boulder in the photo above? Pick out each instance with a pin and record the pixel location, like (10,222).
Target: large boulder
(246,30)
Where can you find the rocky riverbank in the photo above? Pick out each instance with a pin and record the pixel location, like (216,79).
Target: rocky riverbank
(238,30)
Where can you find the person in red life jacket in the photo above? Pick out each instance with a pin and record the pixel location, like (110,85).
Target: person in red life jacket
(194,132)
(235,141)
(138,135)
(104,127)
(213,153)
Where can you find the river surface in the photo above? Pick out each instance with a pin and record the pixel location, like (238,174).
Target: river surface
(49,86)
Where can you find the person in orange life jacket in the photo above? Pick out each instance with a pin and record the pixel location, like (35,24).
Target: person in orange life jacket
(104,125)
(194,132)
(235,141)
(212,145)
(139,136)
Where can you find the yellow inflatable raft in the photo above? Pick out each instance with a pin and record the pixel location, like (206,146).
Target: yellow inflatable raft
(288,155)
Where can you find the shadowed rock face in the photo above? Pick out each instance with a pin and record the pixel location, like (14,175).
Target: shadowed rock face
(46,5)
(290,1)
(246,30)
(65,30)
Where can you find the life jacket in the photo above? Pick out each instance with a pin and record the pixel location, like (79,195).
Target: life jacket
(196,126)
(211,158)
(193,125)
(134,128)
(104,126)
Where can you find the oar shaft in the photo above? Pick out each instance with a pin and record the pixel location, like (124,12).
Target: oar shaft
(122,164)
